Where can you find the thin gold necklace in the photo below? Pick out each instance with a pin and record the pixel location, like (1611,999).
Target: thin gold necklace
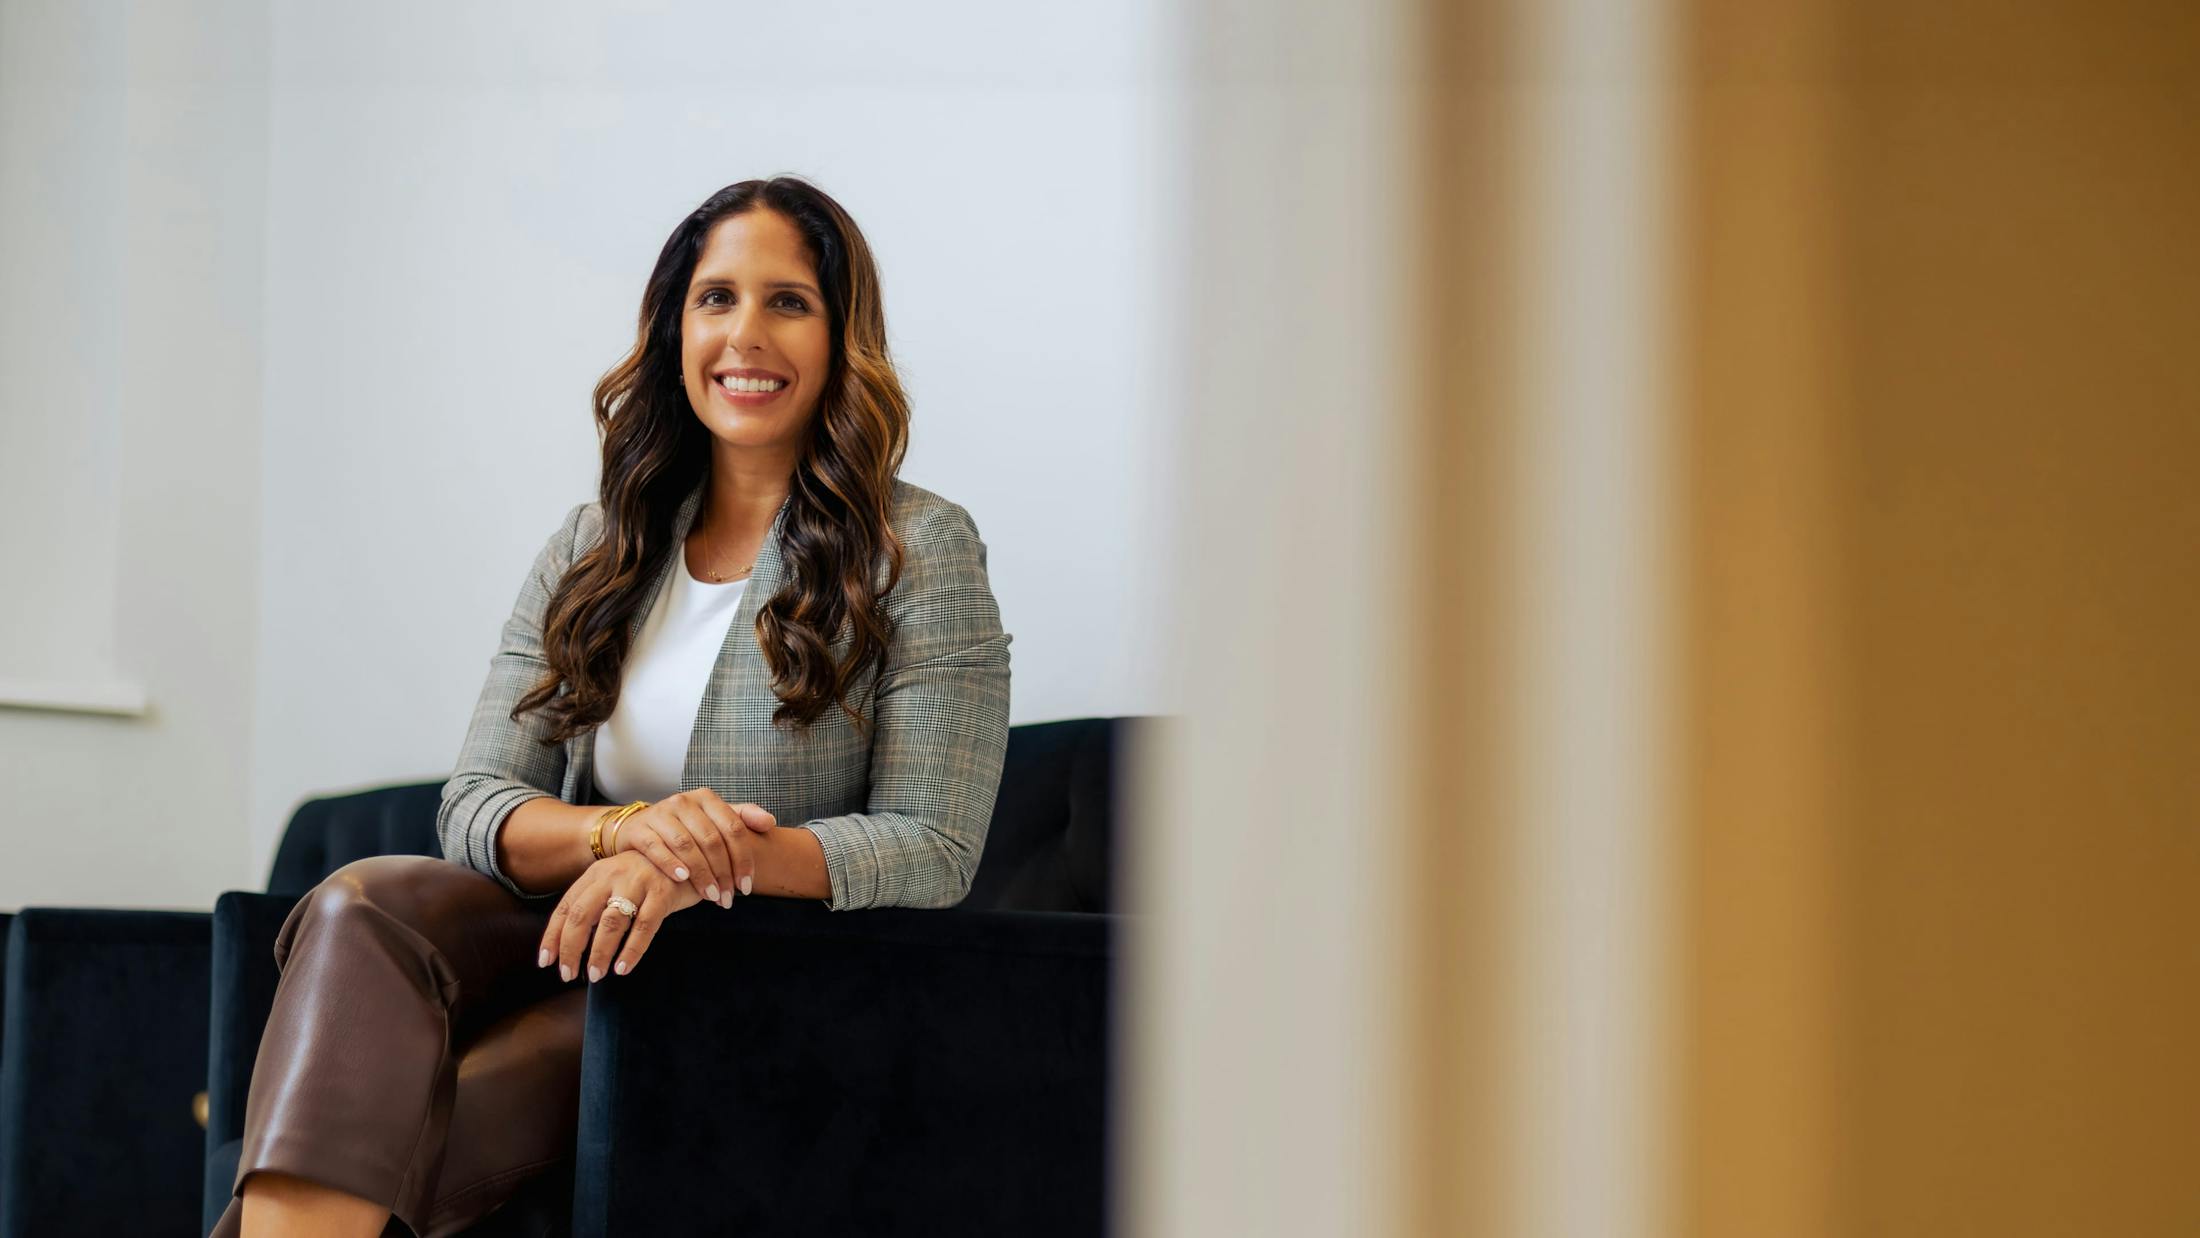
(719,578)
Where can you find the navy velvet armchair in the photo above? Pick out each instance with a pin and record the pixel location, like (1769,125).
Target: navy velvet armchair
(888,1072)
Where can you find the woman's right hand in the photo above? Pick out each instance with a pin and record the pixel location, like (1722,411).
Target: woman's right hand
(698,839)
(585,925)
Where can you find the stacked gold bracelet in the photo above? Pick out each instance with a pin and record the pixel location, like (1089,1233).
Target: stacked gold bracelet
(611,817)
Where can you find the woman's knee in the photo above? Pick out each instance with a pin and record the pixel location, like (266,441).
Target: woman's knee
(425,893)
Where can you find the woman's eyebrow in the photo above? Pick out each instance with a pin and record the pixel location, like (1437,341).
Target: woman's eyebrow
(701,280)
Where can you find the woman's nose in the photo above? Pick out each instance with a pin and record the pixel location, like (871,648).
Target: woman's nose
(746,330)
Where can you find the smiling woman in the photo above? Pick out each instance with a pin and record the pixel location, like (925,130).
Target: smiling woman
(758,663)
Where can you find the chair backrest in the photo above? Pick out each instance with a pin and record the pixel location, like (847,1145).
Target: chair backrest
(1052,841)
(1049,847)
(331,831)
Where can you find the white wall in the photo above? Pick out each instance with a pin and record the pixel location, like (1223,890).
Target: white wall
(132,190)
(460,205)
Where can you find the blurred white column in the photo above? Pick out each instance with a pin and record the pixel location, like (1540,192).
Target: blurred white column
(1592,683)
(1261,1003)
(1281,1074)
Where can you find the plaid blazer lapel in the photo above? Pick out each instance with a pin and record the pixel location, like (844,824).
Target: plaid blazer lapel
(740,669)
(739,674)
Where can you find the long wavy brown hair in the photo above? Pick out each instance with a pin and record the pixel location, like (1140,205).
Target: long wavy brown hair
(656,450)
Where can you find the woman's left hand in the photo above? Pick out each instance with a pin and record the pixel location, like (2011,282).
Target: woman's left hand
(696,836)
(585,924)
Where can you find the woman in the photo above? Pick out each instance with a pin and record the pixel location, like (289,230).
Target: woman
(759,665)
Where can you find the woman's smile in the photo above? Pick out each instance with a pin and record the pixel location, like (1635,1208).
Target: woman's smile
(749,388)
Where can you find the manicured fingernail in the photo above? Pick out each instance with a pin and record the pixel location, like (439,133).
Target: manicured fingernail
(595,973)
(542,958)
(748,884)
(620,967)
(566,970)
(712,892)
(679,873)
(727,901)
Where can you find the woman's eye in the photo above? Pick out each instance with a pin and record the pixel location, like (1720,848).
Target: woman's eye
(715,296)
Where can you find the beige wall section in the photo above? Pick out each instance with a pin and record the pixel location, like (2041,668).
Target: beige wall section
(1536,860)
(1459,638)
(1947,429)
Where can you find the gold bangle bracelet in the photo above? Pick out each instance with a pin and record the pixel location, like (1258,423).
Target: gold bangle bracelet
(595,833)
(615,818)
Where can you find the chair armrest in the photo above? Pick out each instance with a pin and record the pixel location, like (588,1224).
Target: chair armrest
(784,1068)
(242,983)
(101,1062)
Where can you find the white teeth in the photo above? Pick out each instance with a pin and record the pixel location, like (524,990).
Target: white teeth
(731,383)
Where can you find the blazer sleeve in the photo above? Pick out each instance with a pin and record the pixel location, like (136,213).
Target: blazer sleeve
(503,764)
(940,733)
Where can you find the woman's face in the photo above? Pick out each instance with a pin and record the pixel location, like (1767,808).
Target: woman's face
(753,310)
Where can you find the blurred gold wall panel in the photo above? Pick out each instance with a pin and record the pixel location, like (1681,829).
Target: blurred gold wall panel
(1757,409)
(2022,233)
(1945,515)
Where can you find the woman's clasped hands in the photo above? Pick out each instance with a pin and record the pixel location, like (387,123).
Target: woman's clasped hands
(685,849)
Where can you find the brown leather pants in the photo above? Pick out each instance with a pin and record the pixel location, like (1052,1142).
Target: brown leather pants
(415,1056)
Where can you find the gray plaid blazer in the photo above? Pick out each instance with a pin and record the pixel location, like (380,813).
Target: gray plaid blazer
(901,815)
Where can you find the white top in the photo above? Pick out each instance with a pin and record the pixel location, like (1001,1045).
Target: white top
(642,746)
